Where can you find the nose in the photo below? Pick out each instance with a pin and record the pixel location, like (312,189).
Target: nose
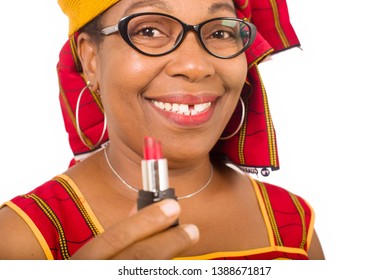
(190,60)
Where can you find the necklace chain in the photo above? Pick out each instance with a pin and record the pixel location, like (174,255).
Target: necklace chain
(135,190)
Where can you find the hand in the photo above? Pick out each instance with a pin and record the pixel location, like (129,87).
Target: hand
(144,235)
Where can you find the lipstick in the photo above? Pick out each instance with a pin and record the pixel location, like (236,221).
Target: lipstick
(154,175)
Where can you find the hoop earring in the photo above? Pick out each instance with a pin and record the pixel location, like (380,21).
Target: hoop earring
(79,131)
(241,121)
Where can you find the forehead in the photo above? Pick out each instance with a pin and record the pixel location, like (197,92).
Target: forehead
(170,6)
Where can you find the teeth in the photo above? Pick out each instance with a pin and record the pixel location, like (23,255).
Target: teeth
(199,107)
(175,107)
(168,106)
(184,109)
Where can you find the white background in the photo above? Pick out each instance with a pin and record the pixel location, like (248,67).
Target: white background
(329,105)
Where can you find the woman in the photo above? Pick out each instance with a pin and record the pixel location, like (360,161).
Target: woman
(183,92)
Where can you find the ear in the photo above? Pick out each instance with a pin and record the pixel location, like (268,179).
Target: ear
(87,51)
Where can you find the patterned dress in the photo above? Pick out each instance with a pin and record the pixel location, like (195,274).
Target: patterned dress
(62,221)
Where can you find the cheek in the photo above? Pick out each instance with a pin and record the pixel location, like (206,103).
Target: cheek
(125,72)
(235,73)
(123,77)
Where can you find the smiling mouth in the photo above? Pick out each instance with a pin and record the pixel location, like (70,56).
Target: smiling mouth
(182,109)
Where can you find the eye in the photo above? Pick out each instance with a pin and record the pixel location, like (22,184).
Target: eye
(149,32)
(220,30)
(221,34)
(142,28)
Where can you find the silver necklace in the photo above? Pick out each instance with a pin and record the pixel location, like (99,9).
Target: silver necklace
(135,190)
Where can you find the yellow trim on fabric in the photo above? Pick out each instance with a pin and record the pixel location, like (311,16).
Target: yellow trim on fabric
(97,100)
(42,241)
(259,59)
(245,253)
(265,215)
(94,95)
(311,227)
(76,199)
(243,130)
(68,108)
(301,212)
(73,48)
(269,125)
(54,219)
(71,115)
(278,24)
(272,218)
(85,203)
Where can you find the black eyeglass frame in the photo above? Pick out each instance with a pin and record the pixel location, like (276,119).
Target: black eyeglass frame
(121,27)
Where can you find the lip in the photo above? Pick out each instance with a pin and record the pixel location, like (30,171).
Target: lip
(199,119)
(186,98)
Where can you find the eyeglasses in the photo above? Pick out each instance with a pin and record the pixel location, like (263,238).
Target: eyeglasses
(157,34)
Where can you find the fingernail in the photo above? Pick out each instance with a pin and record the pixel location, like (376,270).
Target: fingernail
(192,231)
(170,208)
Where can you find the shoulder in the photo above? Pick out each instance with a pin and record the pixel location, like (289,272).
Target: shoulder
(290,216)
(34,204)
(282,198)
(21,219)
(57,215)
(17,240)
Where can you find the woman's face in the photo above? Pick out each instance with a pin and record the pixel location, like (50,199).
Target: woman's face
(148,96)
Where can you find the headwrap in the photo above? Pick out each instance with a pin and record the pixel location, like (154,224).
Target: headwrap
(253,147)
(80,12)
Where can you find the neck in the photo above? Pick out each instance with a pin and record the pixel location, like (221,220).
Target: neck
(187,179)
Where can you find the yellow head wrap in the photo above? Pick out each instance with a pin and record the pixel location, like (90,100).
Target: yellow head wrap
(80,12)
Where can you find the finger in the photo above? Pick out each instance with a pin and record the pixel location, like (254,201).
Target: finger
(148,221)
(164,246)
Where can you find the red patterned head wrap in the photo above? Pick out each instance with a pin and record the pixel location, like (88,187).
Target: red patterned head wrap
(254,146)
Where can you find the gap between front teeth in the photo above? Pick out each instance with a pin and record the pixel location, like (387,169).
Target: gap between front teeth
(183,109)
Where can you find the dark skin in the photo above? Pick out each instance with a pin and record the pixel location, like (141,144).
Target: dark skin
(127,82)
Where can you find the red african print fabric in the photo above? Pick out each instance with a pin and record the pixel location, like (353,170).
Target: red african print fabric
(62,221)
(58,216)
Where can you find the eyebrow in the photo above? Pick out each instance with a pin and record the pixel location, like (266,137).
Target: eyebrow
(149,3)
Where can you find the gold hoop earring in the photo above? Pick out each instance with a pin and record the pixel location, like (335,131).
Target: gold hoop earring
(78,128)
(240,124)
